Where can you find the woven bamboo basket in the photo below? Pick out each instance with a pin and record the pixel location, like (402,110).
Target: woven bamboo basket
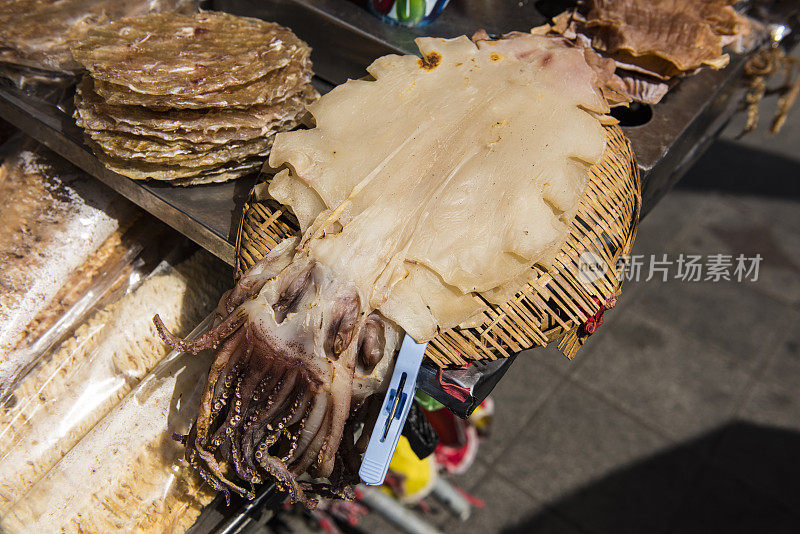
(557,304)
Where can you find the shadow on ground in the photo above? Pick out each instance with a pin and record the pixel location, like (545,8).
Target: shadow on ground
(740,170)
(746,479)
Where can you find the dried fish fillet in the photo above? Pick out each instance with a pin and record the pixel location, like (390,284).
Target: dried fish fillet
(274,86)
(181,55)
(197,126)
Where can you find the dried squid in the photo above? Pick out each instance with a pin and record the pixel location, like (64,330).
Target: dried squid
(421,195)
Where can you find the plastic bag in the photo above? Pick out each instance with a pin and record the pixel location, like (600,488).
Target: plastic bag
(54,405)
(53,220)
(127,474)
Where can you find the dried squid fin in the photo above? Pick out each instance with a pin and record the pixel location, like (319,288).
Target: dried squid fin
(421,300)
(304,201)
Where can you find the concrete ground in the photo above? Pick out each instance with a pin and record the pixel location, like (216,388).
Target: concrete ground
(682,413)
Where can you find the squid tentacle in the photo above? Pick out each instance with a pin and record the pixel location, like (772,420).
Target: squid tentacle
(209,340)
(278,469)
(311,454)
(281,399)
(312,426)
(226,358)
(298,427)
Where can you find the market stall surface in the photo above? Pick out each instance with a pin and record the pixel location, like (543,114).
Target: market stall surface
(682,414)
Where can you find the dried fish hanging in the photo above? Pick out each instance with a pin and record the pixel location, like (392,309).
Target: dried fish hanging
(766,64)
(240,81)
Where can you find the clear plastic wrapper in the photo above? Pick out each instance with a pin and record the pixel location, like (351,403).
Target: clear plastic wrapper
(53,220)
(69,390)
(111,269)
(127,474)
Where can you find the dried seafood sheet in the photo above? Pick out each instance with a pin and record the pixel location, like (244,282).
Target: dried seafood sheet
(221,175)
(144,170)
(150,151)
(67,394)
(642,88)
(524,111)
(190,99)
(38,33)
(274,86)
(659,36)
(182,55)
(216,125)
(131,146)
(652,42)
(52,219)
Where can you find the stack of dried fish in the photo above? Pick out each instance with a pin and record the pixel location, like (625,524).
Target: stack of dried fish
(190,99)
(653,42)
(35,35)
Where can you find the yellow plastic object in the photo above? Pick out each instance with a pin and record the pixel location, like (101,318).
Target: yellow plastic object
(417,476)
